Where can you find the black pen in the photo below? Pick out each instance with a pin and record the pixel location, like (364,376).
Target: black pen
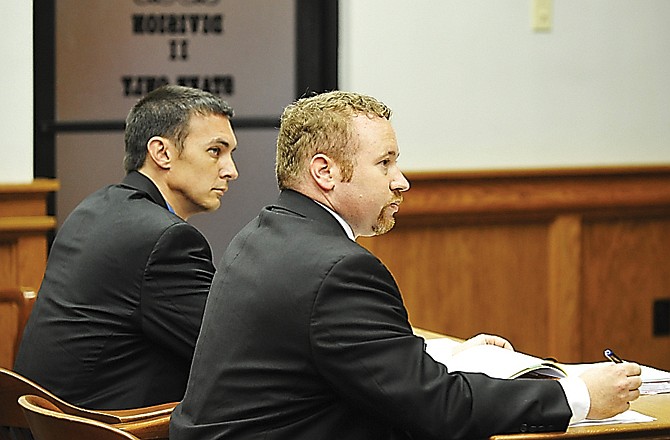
(609,354)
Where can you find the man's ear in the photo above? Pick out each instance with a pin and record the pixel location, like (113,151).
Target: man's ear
(159,151)
(323,171)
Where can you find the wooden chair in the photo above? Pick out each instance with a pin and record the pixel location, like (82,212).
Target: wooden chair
(147,422)
(48,422)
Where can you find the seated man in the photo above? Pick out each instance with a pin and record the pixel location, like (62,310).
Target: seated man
(305,335)
(120,307)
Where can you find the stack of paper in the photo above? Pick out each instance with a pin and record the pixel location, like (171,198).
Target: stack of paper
(629,416)
(654,381)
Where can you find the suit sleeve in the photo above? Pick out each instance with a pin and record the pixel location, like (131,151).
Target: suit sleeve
(364,346)
(177,279)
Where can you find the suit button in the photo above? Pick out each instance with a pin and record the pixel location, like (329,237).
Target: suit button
(523,428)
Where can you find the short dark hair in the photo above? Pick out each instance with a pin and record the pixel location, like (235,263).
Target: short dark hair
(166,111)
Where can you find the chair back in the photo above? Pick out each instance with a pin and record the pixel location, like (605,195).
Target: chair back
(13,385)
(48,422)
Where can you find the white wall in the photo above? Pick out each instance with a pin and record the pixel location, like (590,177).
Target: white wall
(16,92)
(472,86)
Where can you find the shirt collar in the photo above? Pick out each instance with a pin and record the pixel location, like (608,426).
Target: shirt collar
(340,220)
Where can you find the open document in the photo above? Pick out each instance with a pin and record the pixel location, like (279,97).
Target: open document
(492,360)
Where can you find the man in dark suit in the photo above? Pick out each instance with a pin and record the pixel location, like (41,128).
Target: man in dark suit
(120,307)
(305,335)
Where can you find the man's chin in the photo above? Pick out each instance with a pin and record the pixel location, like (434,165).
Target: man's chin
(211,206)
(384,226)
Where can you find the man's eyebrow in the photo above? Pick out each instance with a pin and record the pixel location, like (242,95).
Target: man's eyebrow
(223,141)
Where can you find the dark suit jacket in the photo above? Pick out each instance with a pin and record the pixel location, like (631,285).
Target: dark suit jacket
(305,336)
(120,307)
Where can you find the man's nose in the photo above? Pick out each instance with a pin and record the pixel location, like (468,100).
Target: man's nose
(228,170)
(400,182)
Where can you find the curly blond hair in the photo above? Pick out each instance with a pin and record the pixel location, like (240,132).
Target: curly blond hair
(321,124)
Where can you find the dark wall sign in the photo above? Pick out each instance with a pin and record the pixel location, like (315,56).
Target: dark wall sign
(180,29)
(110,53)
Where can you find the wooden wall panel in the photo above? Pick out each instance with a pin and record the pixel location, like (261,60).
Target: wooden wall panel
(546,258)
(24,226)
(464,279)
(626,268)
(563,296)
(8,332)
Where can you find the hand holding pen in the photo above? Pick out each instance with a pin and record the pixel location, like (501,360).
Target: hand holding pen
(612,386)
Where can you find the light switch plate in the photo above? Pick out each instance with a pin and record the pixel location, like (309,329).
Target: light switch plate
(541,15)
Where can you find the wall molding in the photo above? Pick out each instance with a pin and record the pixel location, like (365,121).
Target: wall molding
(456,196)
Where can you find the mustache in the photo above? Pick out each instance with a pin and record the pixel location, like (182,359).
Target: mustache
(397,198)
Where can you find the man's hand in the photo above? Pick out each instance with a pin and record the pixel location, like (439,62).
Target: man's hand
(482,339)
(611,388)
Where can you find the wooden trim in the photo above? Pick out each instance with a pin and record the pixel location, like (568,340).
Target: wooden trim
(36,186)
(538,172)
(534,193)
(26,199)
(564,307)
(25,224)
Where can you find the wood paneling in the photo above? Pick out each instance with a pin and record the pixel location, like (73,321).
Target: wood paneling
(23,254)
(562,262)
(15,307)
(627,267)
